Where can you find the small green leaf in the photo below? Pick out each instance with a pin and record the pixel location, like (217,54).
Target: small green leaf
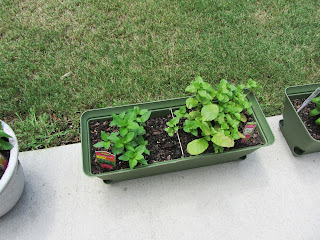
(225,99)
(4,145)
(316,100)
(174,121)
(205,94)
(119,122)
(133,163)
(119,144)
(315,112)
(146,151)
(140,131)
(243,117)
(113,123)
(117,151)
(241,135)
(129,137)
(194,132)
(99,145)
(140,149)
(124,158)
(123,131)
(191,89)
(205,128)
(191,102)
(209,112)
(129,147)
(122,114)
(222,140)
(194,114)
(113,137)
(143,111)
(143,161)
(3,134)
(136,109)
(106,145)
(139,157)
(104,136)
(203,100)
(145,116)
(220,96)
(318,121)
(133,125)
(197,146)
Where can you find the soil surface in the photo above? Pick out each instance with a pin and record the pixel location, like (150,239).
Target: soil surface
(162,147)
(308,121)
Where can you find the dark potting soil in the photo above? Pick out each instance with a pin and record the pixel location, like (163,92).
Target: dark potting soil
(6,154)
(162,147)
(308,121)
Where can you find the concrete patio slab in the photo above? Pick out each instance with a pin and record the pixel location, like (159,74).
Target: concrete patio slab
(270,195)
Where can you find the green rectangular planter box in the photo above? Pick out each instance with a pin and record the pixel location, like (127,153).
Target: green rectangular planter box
(294,131)
(161,108)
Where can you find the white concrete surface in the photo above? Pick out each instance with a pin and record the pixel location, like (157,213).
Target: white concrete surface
(270,195)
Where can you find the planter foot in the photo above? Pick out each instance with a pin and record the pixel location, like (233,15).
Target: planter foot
(281,123)
(243,157)
(298,151)
(107,181)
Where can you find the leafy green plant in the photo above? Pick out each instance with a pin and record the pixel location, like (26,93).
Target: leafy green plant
(214,114)
(316,111)
(4,145)
(129,141)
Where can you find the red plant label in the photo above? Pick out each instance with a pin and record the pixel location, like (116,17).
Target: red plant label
(248,130)
(105,159)
(3,162)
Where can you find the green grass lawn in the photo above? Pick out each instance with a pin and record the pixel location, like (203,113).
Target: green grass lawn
(60,58)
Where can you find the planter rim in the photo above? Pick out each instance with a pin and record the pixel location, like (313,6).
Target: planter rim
(302,92)
(13,160)
(302,85)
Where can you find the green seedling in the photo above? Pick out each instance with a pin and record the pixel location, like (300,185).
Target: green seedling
(129,141)
(4,145)
(316,111)
(214,114)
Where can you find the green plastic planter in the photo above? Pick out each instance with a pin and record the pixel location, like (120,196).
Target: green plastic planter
(161,108)
(292,127)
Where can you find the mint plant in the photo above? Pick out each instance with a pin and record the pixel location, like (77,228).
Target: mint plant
(4,145)
(316,111)
(129,141)
(214,114)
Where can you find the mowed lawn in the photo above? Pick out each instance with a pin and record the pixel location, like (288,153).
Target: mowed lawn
(60,58)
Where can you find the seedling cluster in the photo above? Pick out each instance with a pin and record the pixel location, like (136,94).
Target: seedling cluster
(316,111)
(128,142)
(213,115)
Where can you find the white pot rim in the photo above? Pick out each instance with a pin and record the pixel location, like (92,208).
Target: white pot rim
(13,160)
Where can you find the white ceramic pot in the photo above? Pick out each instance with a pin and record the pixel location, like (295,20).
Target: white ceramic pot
(12,181)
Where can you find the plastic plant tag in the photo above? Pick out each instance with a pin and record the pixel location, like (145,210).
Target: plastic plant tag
(248,130)
(3,162)
(106,159)
(309,99)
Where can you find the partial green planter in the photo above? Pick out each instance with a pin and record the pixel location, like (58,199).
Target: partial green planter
(294,131)
(162,108)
